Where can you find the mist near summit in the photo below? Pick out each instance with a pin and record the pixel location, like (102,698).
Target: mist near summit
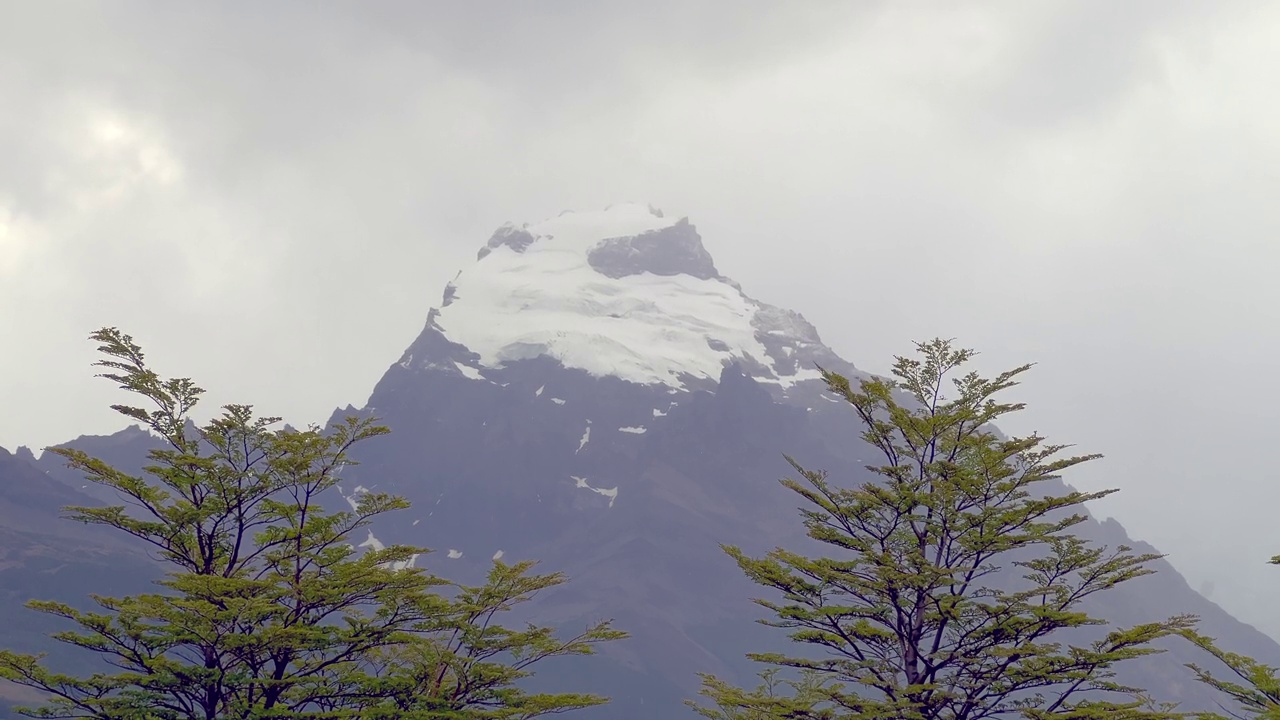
(271,200)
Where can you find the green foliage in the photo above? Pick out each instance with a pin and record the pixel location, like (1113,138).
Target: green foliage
(268,611)
(468,667)
(772,698)
(1257,693)
(951,578)
(1256,690)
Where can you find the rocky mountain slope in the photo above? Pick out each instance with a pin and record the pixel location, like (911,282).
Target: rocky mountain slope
(45,557)
(592,393)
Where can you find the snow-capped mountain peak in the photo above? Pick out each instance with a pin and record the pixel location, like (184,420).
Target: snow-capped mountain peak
(624,292)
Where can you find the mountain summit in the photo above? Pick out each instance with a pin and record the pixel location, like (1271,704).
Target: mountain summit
(624,292)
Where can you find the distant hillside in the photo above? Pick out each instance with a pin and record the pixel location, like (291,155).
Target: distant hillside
(43,556)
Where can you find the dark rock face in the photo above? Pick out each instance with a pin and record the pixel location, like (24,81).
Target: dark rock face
(510,236)
(46,557)
(432,350)
(792,343)
(494,465)
(125,450)
(674,250)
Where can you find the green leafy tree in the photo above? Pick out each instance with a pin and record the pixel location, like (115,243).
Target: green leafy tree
(1255,691)
(267,610)
(954,576)
(772,698)
(468,666)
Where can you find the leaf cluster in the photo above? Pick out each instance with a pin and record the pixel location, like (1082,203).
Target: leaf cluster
(1255,689)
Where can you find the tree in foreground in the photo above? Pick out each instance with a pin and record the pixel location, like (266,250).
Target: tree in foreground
(467,666)
(1255,691)
(773,694)
(267,610)
(952,578)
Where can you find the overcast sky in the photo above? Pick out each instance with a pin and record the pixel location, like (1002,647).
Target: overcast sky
(270,196)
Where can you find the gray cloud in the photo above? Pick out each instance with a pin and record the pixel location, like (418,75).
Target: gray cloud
(271,196)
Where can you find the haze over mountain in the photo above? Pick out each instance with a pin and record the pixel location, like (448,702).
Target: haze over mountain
(592,392)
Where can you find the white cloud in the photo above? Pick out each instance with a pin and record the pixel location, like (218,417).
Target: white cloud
(18,235)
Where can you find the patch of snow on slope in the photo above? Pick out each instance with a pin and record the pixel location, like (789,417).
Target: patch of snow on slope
(406,362)
(353,499)
(557,401)
(547,300)
(658,413)
(538,392)
(454,554)
(637,430)
(611,493)
(787,381)
(586,436)
(468,371)
(498,555)
(374,544)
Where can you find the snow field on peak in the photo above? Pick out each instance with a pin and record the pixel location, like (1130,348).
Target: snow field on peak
(645,328)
